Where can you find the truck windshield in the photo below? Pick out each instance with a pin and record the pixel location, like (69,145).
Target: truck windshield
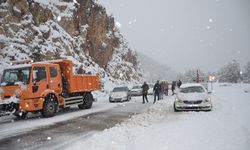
(13,76)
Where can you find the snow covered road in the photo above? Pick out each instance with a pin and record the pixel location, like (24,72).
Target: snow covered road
(226,127)
(133,126)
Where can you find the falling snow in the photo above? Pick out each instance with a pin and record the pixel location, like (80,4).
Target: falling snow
(121,75)
(118,24)
(59,18)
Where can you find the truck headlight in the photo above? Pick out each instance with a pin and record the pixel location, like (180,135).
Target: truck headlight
(26,105)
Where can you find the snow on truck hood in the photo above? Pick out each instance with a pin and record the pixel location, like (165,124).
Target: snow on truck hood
(192,96)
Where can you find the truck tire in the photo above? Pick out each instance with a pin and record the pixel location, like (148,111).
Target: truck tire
(87,101)
(49,106)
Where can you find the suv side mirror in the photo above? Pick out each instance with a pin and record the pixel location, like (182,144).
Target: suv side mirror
(209,92)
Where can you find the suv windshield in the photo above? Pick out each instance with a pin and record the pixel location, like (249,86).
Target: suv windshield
(11,76)
(136,87)
(120,89)
(192,89)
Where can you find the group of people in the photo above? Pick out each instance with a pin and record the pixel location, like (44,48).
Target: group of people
(174,84)
(159,89)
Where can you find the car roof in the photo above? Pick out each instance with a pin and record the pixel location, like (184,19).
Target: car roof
(190,85)
(137,86)
(121,87)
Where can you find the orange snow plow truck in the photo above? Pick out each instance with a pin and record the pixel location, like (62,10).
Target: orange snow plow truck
(45,87)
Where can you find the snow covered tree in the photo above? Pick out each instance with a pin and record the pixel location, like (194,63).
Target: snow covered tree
(246,73)
(191,75)
(230,72)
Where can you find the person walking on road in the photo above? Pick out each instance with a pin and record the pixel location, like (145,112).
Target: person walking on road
(173,87)
(166,88)
(157,90)
(179,83)
(145,92)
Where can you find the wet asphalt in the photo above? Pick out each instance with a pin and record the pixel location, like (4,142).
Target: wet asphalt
(61,135)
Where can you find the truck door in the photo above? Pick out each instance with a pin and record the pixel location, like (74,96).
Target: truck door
(40,80)
(55,82)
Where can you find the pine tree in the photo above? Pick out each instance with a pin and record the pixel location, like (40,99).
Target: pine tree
(230,72)
(246,74)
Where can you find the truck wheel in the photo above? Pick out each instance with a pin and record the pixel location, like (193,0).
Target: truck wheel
(20,115)
(49,106)
(87,102)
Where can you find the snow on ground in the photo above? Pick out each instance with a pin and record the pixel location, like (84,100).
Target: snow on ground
(226,127)
(10,127)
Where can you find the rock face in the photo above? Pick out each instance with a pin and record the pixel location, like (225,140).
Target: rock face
(81,31)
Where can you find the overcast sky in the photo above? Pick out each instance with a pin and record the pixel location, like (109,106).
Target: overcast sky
(184,34)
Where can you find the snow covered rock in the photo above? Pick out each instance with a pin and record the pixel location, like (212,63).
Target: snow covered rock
(76,30)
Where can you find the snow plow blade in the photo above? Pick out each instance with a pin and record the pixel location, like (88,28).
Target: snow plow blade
(4,113)
(10,107)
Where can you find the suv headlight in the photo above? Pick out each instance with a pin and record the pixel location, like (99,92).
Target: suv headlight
(178,100)
(111,95)
(208,99)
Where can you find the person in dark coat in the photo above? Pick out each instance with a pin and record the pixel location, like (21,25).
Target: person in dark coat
(173,87)
(157,90)
(145,92)
(179,83)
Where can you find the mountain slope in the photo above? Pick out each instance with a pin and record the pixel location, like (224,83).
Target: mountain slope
(62,29)
(152,70)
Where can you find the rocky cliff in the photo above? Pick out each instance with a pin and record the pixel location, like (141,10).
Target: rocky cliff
(77,30)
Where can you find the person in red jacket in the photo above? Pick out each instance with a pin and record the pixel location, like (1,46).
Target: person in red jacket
(166,88)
